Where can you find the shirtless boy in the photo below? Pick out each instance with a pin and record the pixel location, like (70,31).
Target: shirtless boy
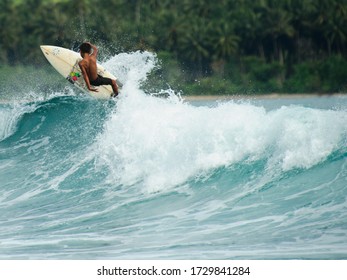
(88,67)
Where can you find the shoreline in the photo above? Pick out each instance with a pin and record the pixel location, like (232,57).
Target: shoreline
(260,96)
(270,96)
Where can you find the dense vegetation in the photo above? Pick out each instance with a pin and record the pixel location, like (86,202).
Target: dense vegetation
(215,47)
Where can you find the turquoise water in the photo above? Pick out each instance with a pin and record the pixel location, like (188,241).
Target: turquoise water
(160,178)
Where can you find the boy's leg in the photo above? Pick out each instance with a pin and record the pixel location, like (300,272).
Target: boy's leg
(115,88)
(107,81)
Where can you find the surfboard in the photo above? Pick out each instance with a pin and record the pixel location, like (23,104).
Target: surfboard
(66,61)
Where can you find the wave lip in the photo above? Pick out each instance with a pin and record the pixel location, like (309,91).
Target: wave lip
(164,143)
(10,115)
(306,136)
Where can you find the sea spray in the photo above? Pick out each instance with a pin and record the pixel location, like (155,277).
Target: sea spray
(147,177)
(164,142)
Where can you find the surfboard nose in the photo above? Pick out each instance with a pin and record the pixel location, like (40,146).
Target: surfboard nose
(45,49)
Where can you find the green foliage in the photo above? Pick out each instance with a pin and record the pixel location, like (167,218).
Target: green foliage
(240,46)
(305,78)
(333,74)
(23,79)
(329,75)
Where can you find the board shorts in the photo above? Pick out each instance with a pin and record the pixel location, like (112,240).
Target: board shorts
(100,80)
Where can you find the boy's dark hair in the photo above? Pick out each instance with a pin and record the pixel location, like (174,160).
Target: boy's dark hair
(85,47)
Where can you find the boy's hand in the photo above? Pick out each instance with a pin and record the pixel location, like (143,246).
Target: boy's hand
(93,89)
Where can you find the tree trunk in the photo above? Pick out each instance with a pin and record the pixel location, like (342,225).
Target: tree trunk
(261,51)
(138,12)
(280,55)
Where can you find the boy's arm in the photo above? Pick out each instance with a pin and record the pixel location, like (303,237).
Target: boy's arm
(94,48)
(85,76)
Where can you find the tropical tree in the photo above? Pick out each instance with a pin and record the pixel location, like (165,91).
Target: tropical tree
(329,20)
(279,28)
(223,40)
(10,32)
(249,27)
(193,44)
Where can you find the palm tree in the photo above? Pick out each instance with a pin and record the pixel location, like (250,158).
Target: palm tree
(200,8)
(330,24)
(10,31)
(278,27)
(335,29)
(249,26)
(193,43)
(222,39)
(302,11)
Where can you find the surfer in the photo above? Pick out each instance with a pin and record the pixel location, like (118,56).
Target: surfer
(88,67)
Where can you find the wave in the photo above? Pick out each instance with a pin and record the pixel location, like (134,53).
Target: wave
(229,178)
(165,143)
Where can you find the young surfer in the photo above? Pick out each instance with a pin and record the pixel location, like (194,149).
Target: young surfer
(88,67)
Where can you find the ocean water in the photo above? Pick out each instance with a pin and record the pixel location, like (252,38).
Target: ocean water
(154,177)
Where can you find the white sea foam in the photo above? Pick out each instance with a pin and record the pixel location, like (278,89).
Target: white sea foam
(307,136)
(164,142)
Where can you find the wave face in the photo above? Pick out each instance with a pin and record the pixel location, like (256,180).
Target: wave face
(145,177)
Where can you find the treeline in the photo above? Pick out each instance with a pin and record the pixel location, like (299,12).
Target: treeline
(223,46)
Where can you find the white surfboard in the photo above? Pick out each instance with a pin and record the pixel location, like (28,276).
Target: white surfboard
(66,61)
